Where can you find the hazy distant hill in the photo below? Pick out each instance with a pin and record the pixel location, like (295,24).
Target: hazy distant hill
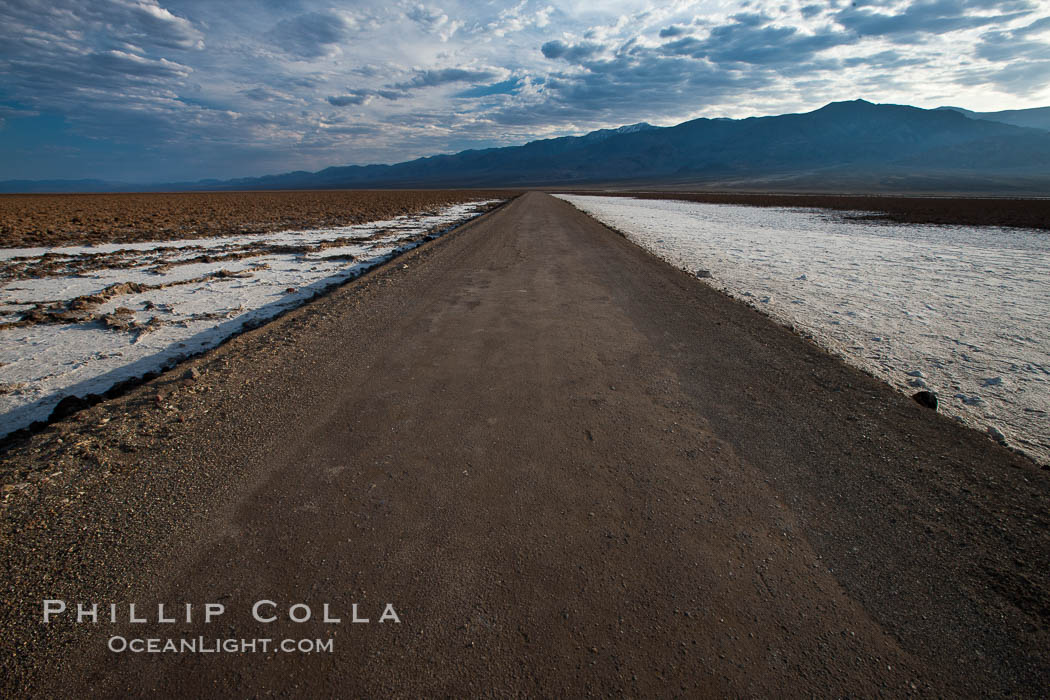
(36,186)
(842,146)
(1035,118)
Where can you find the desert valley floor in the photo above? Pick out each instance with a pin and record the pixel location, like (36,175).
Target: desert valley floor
(570,466)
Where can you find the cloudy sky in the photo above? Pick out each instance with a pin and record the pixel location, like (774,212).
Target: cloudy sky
(161,90)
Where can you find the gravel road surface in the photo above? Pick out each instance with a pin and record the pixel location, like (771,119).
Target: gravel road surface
(568,467)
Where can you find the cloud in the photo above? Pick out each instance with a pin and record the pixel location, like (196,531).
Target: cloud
(434,21)
(348,99)
(751,38)
(133,67)
(15,112)
(312,35)
(261,94)
(428,18)
(630,86)
(516,18)
(145,19)
(505,87)
(883,59)
(143,23)
(110,72)
(572,53)
(1016,44)
(444,76)
(242,87)
(1021,78)
(1023,55)
(673,31)
(420,80)
(929,17)
(62,54)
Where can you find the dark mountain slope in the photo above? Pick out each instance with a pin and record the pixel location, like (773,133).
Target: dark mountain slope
(844,144)
(883,138)
(1034,118)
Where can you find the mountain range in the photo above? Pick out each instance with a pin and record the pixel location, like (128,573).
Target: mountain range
(843,146)
(1036,118)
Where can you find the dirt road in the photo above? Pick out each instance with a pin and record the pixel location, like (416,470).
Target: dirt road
(571,470)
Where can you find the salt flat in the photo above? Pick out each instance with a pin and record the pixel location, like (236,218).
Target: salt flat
(77,320)
(959,310)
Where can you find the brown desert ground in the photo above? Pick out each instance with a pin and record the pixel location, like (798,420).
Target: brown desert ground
(72,219)
(572,469)
(79,219)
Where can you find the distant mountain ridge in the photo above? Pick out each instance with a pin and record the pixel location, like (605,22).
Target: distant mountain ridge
(37,186)
(1035,118)
(841,146)
(602,134)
